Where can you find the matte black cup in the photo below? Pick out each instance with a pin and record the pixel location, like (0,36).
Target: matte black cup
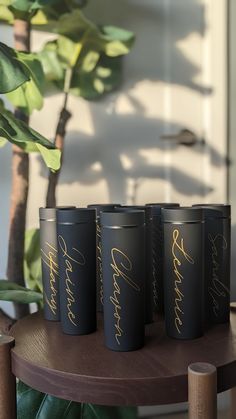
(76,235)
(99,208)
(183,272)
(217,262)
(157,254)
(49,262)
(123,265)
(148,256)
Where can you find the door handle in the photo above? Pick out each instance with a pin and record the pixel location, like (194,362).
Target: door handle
(184,137)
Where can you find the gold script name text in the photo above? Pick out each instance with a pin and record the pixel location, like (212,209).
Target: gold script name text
(75,257)
(122,267)
(49,258)
(217,289)
(178,251)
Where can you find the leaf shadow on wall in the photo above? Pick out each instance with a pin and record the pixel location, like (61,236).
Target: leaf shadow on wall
(117,151)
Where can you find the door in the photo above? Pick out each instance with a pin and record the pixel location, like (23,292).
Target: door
(163,137)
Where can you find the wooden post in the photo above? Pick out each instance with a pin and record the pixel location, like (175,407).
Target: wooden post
(202,391)
(7,380)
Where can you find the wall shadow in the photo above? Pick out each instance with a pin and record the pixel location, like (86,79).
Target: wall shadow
(156,58)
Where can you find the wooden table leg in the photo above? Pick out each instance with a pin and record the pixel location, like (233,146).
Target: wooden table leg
(7,380)
(202,391)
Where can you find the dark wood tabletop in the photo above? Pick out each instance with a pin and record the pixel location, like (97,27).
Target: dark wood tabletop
(80,368)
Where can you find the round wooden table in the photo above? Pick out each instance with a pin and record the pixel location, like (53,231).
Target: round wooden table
(80,368)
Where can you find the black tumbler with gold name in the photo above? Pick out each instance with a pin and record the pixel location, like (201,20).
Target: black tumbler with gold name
(157,254)
(99,208)
(217,262)
(183,272)
(123,265)
(49,262)
(148,256)
(76,235)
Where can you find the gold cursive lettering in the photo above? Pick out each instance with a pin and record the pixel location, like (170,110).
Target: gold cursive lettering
(99,262)
(79,259)
(155,266)
(122,266)
(217,288)
(179,296)
(50,260)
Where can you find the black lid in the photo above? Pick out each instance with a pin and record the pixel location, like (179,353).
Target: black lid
(164,204)
(49,214)
(76,216)
(225,209)
(182,214)
(211,212)
(129,218)
(156,208)
(102,207)
(128,208)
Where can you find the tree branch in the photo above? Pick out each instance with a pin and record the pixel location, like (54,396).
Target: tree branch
(59,143)
(20,186)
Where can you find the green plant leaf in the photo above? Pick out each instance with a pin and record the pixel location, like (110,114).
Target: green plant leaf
(50,14)
(6,15)
(119,41)
(95,56)
(72,23)
(52,66)
(12,69)
(29,96)
(17,132)
(6,285)
(32,260)
(90,61)
(114,33)
(105,77)
(28,6)
(5,2)
(43,406)
(3,142)
(21,296)
(92,411)
(68,51)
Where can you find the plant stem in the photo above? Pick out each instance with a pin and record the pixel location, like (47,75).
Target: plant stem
(59,141)
(20,186)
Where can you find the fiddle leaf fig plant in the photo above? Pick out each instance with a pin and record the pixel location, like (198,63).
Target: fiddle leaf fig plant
(83,59)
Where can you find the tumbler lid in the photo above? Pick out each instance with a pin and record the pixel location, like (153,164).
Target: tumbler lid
(212,212)
(102,207)
(182,214)
(224,209)
(129,218)
(76,216)
(156,208)
(49,214)
(128,208)
(164,204)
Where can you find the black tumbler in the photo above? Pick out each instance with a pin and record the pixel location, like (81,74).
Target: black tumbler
(217,262)
(99,208)
(123,265)
(49,261)
(183,272)
(76,235)
(148,257)
(157,254)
